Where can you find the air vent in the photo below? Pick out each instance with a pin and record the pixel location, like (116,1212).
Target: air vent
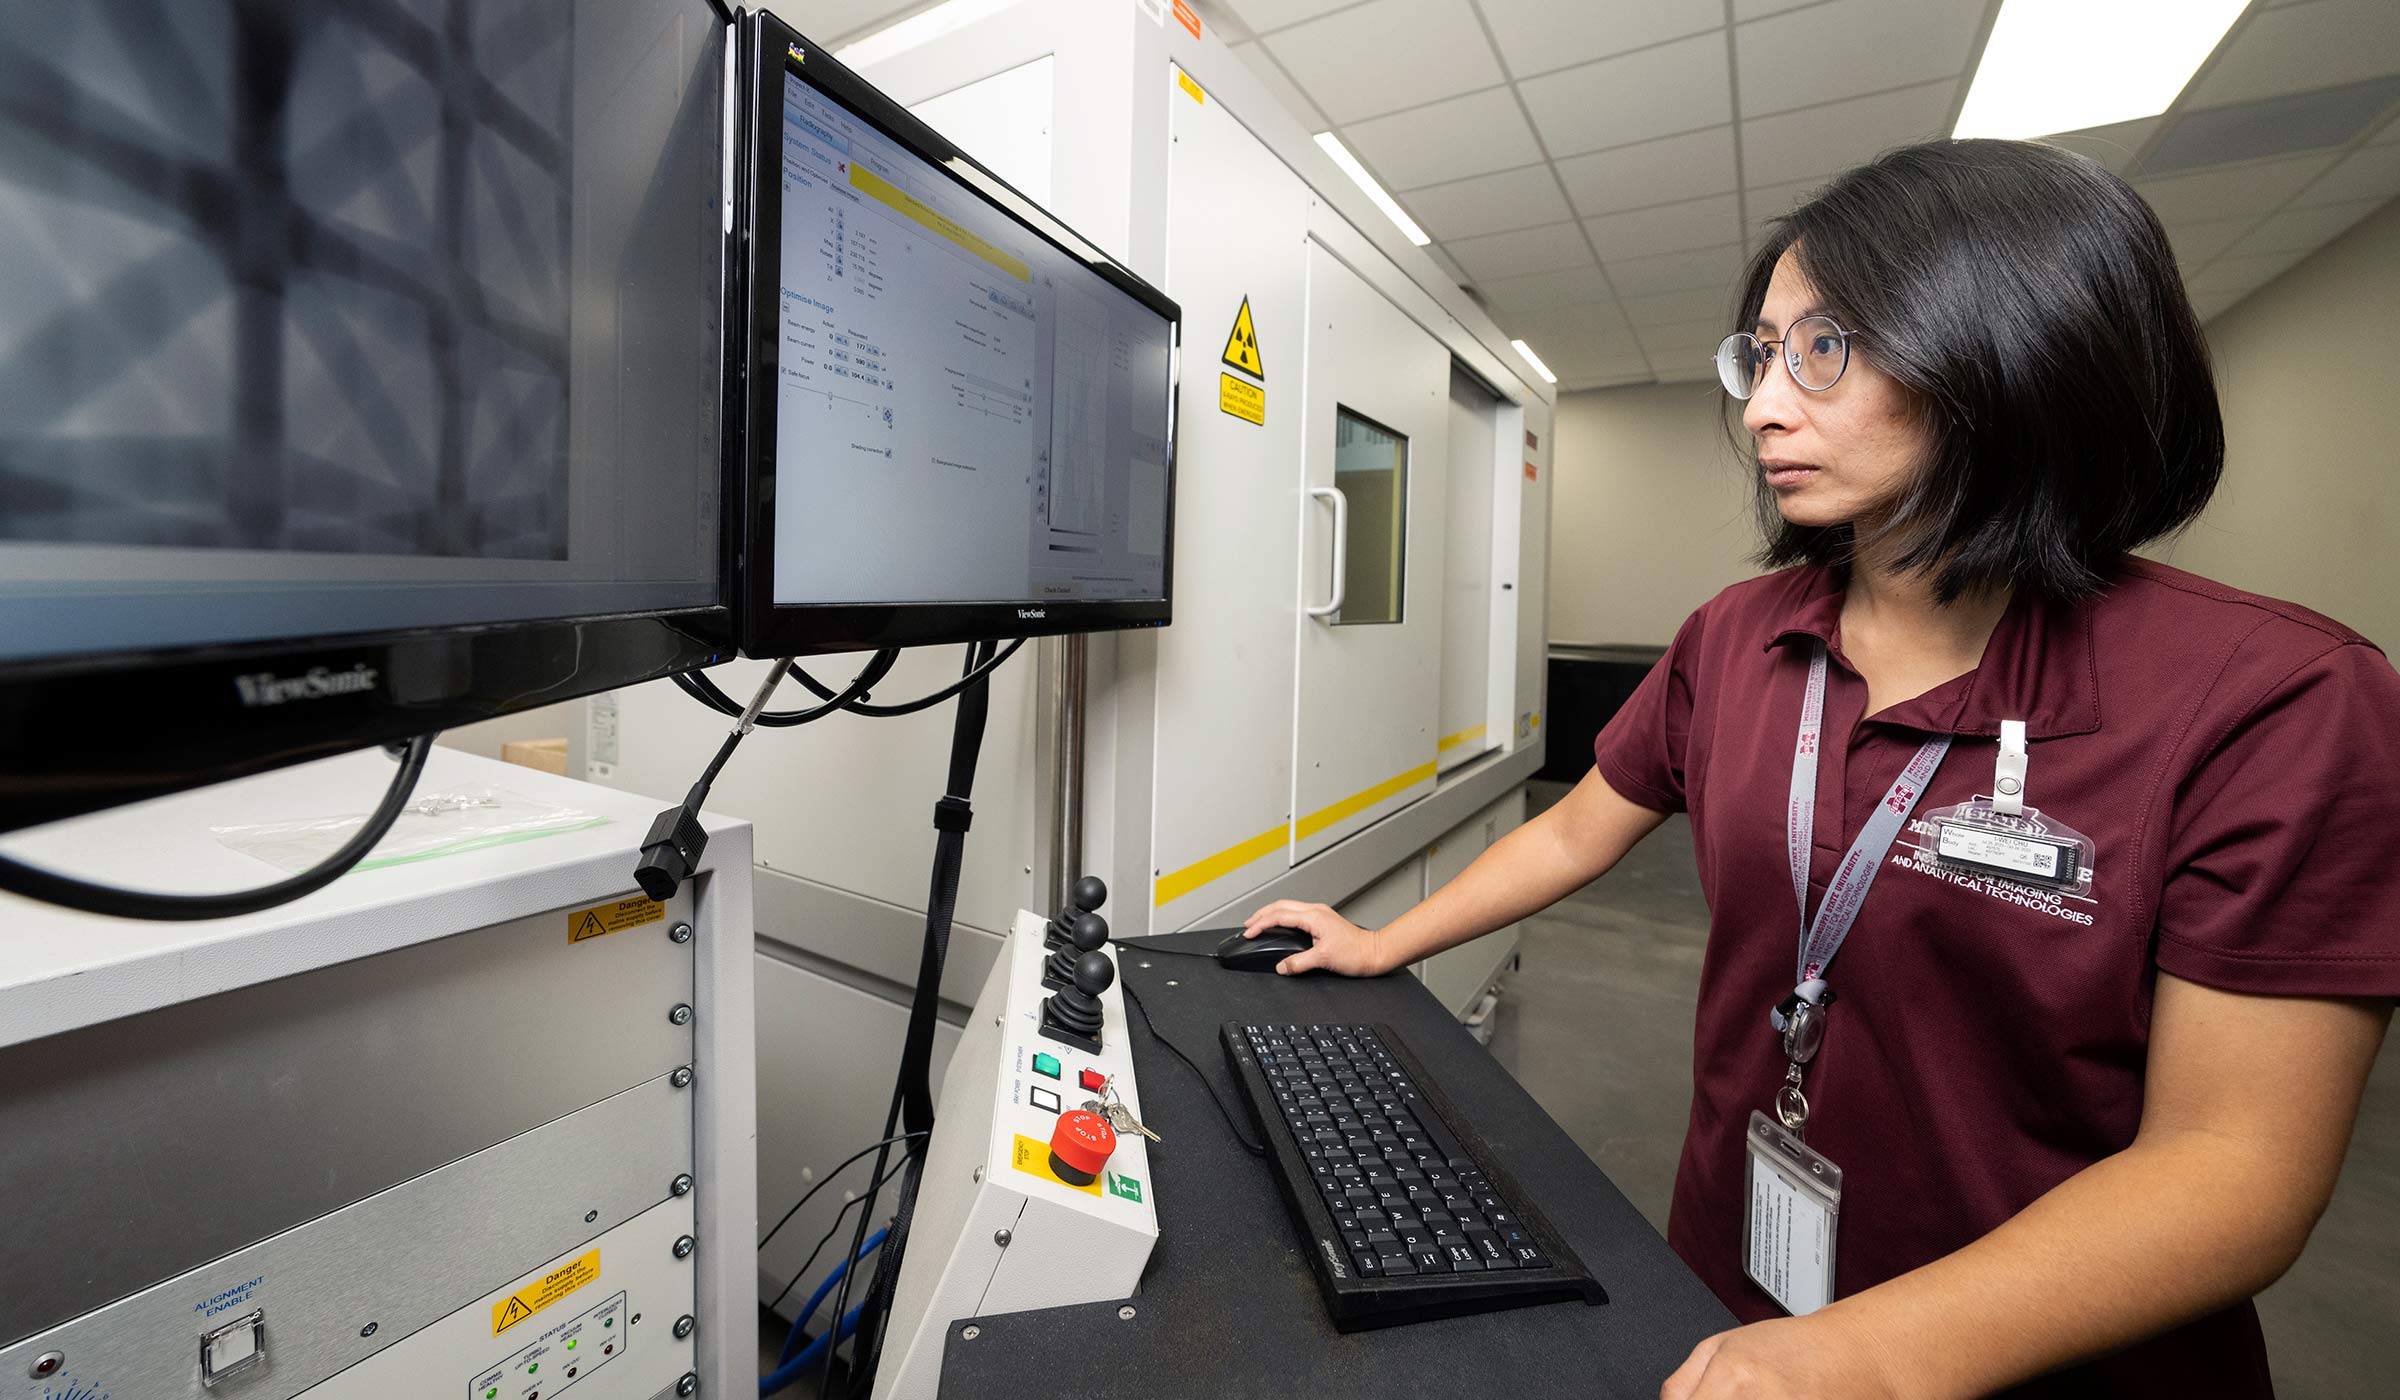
(2272,126)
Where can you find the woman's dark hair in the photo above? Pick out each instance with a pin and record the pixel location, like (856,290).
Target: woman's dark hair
(2030,303)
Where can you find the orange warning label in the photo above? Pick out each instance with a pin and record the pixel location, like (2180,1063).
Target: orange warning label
(1032,1157)
(612,916)
(544,1291)
(1185,16)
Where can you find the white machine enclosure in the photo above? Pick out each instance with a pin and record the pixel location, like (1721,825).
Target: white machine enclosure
(996,1231)
(319,1150)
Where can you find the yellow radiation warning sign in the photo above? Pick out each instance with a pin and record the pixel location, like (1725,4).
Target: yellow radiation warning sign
(1241,347)
(612,916)
(544,1291)
(1242,399)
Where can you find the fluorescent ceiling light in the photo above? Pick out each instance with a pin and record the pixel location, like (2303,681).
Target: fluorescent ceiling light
(2063,65)
(1333,147)
(920,28)
(1536,361)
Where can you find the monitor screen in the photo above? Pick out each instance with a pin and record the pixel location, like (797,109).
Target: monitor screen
(326,321)
(970,431)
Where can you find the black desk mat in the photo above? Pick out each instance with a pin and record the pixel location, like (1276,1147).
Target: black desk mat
(1228,1308)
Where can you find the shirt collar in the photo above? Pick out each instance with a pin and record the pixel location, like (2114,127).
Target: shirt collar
(2037,667)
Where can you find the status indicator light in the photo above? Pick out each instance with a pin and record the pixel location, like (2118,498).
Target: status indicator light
(1046,1064)
(570,1344)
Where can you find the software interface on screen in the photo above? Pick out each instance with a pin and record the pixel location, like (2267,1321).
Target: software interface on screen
(965,413)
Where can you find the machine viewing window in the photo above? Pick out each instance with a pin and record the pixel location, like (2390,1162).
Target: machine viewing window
(970,426)
(1370,467)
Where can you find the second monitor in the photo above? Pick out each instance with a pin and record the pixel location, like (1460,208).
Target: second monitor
(960,417)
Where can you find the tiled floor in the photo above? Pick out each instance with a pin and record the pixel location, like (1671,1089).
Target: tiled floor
(1598,1026)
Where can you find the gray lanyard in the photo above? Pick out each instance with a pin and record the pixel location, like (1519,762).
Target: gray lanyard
(1801,1017)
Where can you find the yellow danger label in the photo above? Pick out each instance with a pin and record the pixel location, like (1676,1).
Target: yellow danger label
(610,917)
(1184,80)
(544,1291)
(1032,1157)
(1242,399)
(1241,347)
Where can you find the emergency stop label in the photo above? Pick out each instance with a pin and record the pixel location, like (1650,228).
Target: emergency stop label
(1032,1157)
(544,1291)
(613,916)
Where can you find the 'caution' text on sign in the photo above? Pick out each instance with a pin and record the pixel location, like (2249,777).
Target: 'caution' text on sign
(1241,398)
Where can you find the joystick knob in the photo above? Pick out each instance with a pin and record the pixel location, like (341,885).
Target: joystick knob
(1076,1008)
(1088,932)
(1089,894)
(1080,1145)
(1093,974)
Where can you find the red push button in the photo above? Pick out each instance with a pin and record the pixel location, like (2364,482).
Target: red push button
(1080,1146)
(1093,1080)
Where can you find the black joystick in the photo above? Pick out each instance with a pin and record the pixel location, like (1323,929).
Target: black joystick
(1074,1014)
(1087,897)
(1089,932)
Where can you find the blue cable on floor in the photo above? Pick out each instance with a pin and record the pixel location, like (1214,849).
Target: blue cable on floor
(790,1367)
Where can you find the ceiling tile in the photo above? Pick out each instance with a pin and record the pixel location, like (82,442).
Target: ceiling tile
(838,21)
(1669,228)
(1848,47)
(1712,268)
(2305,46)
(1653,172)
(1605,381)
(2244,274)
(1286,92)
(1573,337)
(2114,145)
(1264,15)
(2372,173)
(2225,194)
(1705,374)
(1669,308)
(1385,55)
(2198,241)
(1543,291)
(1760,9)
(1464,136)
(1537,36)
(2305,230)
(1448,264)
(1765,202)
(1509,199)
(1522,252)
(2209,305)
(1683,350)
(1827,140)
(1681,86)
(2269,128)
(1221,19)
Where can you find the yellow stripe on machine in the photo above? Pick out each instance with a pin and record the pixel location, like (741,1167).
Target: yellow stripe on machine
(1452,741)
(1178,883)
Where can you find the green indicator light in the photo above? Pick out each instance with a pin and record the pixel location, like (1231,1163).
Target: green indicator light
(1046,1064)
(492,1394)
(570,1346)
(608,1322)
(536,1366)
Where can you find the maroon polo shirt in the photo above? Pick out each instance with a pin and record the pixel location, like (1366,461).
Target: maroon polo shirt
(2230,756)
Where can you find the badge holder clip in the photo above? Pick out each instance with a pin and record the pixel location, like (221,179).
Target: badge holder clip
(1999,837)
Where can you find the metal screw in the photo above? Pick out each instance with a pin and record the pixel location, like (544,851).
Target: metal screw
(370,1329)
(1001,1238)
(684,1245)
(689,1385)
(590,1215)
(49,1363)
(683,1326)
(1125,1313)
(682,1077)
(969,1332)
(681,1185)
(681,933)
(681,1015)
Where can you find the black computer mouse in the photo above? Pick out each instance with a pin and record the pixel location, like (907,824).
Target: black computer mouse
(1261,954)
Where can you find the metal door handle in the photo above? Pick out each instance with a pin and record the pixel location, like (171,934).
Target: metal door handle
(1341,536)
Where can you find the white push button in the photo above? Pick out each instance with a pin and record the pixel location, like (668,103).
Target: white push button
(233,1348)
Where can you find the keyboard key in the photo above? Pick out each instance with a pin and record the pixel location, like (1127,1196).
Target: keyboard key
(1529,1257)
(1430,1261)
(1368,1265)
(1395,1264)
(1463,1258)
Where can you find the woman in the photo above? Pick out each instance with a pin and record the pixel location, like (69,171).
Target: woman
(2124,944)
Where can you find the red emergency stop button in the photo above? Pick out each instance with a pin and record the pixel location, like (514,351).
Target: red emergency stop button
(1093,1080)
(1080,1145)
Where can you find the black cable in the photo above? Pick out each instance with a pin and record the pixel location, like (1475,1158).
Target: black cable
(53,888)
(697,685)
(822,1183)
(827,1237)
(1255,1149)
(974,674)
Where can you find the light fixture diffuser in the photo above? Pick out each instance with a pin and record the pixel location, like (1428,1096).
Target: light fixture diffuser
(1332,146)
(1534,360)
(920,28)
(2053,66)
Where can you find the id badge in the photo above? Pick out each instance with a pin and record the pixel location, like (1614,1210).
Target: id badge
(2026,848)
(1795,1207)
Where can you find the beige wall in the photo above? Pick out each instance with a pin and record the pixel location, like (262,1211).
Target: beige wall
(1650,512)
(2310,506)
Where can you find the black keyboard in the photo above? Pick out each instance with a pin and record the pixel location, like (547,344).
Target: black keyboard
(1407,1214)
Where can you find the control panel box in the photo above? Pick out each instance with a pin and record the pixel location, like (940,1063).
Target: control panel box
(1022,1206)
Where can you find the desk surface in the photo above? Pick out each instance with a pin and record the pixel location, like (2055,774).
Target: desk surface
(1228,1307)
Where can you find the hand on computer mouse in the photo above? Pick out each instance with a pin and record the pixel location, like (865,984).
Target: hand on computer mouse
(1341,946)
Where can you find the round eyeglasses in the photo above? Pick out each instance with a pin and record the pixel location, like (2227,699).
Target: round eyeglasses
(1815,349)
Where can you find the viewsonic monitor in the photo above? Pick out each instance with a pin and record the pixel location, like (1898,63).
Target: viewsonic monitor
(361,374)
(960,414)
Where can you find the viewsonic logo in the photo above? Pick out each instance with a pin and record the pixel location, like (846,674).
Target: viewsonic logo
(1032,614)
(264,688)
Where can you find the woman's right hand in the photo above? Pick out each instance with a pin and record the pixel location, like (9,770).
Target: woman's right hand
(1341,946)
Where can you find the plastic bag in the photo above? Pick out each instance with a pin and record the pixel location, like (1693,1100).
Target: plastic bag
(432,825)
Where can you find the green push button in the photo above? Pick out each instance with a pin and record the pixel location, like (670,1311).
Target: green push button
(1046,1064)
